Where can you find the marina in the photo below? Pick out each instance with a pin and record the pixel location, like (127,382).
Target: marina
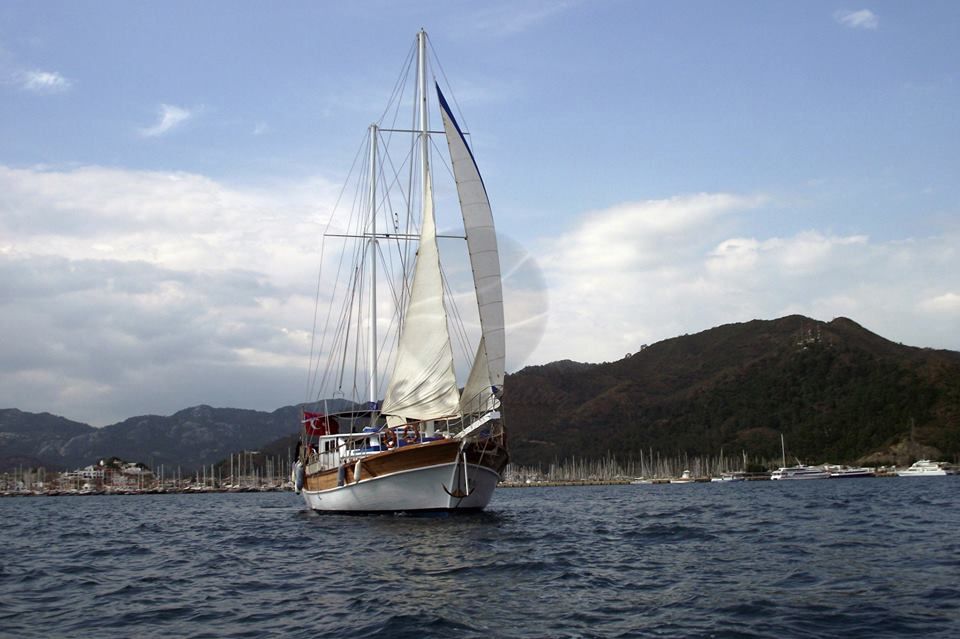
(30,484)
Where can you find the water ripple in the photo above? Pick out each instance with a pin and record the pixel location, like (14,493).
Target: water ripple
(874,558)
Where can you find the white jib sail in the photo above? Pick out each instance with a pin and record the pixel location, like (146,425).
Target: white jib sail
(423,384)
(477,396)
(484,258)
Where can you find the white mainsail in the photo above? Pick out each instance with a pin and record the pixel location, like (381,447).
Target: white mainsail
(423,384)
(488,367)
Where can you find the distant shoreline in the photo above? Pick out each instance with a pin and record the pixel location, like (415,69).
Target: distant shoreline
(152,491)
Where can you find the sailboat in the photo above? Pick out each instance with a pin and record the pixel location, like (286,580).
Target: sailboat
(424,443)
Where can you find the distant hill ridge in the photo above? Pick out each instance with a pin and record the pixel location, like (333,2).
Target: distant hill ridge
(835,390)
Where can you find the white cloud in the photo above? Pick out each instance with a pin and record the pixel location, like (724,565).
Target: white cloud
(515,18)
(156,290)
(634,233)
(862,19)
(44,82)
(642,272)
(948,303)
(170,118)
(147,291)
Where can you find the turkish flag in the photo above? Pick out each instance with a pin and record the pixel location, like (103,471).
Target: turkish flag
(319,424)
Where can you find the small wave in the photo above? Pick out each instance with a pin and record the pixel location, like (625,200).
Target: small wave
(669,533)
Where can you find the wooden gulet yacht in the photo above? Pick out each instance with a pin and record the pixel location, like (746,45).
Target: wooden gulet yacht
(427,445)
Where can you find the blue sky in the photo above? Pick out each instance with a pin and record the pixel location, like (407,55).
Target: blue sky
(166,169)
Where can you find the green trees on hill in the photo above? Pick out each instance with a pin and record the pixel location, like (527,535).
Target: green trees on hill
(835,397)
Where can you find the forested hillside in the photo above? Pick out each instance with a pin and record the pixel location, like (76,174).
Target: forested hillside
(836,391)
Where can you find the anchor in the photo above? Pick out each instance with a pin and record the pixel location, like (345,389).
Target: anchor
(457,493)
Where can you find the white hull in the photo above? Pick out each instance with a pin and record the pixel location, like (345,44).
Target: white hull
(419,489)
(926,468)
(790,474)
(923,473)
(852,473)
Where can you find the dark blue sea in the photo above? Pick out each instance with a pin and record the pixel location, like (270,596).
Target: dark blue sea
(838,558)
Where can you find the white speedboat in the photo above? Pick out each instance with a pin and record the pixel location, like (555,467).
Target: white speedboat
(927,468)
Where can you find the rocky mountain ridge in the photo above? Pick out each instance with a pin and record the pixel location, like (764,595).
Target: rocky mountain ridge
(836,391)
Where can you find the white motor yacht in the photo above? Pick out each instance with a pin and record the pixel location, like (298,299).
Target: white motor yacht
(927,468)
(800,472)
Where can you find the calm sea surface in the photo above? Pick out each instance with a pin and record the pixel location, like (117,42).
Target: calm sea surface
(836,558)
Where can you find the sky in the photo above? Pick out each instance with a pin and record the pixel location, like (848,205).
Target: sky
(167,171)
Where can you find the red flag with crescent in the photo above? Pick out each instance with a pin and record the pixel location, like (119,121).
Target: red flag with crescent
(319,424)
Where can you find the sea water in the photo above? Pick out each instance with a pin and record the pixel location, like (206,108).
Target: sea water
(833,558)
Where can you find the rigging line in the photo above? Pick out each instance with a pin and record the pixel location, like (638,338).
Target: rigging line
(446,165)
(355,221)
(390,283)
(336,279)
(446,82)
(346,339)
(347,309)
(403,82)
(342,333)
(406,198)
(458,320)
(358,342)
(341,336)
(411,204)
(401,79)
(392,336)
(343,318)
(459,329)
(336,283)
(352,220)
(311,376)
(383,349)
(388,188)
(360,274)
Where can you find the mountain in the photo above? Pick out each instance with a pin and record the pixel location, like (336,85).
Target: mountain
(29,439)
(835,390)
(188,438)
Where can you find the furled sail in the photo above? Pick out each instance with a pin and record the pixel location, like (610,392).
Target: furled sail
(423,384)
(484,260)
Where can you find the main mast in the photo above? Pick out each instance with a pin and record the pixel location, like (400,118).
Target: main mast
(424,118)
(372,248)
